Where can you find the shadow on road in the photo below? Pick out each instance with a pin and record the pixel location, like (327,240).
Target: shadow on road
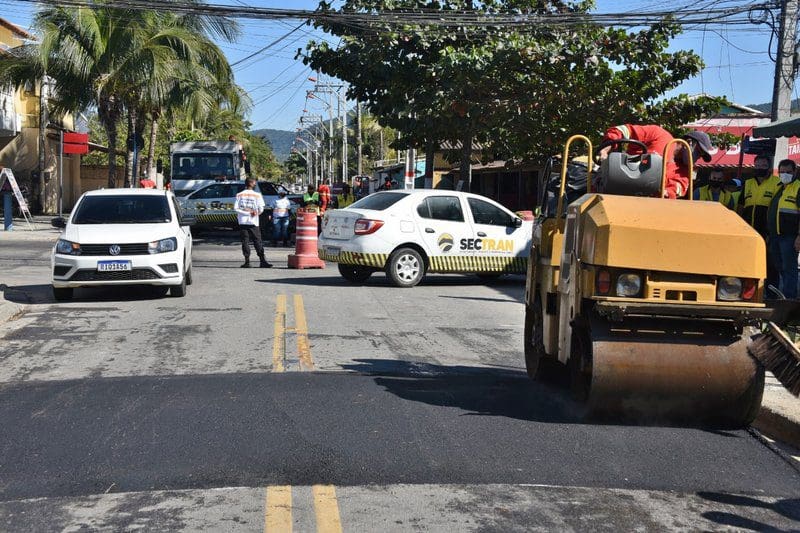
(789,507)
(503,392)
(43,294)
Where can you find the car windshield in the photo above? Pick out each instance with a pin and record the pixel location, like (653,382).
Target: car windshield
(379,201)
(123,209)
(199,166)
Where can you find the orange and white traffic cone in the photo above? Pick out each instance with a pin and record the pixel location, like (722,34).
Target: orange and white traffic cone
(305,253)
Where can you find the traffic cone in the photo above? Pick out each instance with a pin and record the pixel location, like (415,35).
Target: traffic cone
(305,252)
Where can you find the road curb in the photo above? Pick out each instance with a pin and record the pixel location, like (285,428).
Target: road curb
(778,426)
(9,311)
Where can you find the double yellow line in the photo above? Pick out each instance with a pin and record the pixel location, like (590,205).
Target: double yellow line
(300,330)
(278,509)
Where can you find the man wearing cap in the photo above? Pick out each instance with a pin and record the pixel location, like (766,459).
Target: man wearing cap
(656,139)
(783,219)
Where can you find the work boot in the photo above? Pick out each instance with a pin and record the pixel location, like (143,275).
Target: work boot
(274,244)
(285,244)
(265,264)
(246,264)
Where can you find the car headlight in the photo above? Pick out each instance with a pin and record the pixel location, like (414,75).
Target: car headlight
(729,289)
(162,246)
(65,247)
(629,285)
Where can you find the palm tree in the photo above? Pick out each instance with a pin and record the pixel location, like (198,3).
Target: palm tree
(120,60)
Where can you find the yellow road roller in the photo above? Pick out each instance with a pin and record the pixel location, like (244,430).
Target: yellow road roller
(645,300)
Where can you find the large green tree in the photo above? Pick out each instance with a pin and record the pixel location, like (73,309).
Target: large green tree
(518,91)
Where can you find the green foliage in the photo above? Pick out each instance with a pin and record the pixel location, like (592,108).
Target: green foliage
(519,93)
(263,163)
(295,167)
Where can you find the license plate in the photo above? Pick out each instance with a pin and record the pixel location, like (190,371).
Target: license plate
(332,251)
(113,266)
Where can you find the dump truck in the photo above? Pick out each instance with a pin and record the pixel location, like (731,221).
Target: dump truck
(195,164)
(646,301)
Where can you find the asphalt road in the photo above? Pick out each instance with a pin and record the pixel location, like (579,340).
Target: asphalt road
(284,397)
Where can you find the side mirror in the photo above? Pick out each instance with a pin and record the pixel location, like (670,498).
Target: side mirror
(247,168)
(59,222)
(159,166)
(517,222)
(188,221)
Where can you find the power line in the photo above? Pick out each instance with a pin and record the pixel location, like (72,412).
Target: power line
(267,47)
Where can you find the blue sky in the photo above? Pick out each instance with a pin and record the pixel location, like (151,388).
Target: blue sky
(737,64)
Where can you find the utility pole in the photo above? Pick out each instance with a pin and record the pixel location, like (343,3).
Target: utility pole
(344,138)
(785,70)
(359,141)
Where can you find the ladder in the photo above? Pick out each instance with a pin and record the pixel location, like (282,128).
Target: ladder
(7,175)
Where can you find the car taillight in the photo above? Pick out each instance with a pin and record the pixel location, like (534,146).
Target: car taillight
(365,226)
(748,289)
(603,282)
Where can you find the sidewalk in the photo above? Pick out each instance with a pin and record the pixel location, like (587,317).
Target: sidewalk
(40,229)
(779,418)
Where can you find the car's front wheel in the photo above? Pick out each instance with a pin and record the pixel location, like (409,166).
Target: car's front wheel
(179,291)
(405,267)
(355,273)
(189,278)
(62,294)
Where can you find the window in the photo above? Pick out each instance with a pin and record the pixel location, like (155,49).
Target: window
(268,188)
(441,208)
(122,209)
(379,201)
(212,191)
(486,213)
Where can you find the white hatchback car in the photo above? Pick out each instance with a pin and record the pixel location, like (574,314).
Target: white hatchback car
(409,233)
(123,237)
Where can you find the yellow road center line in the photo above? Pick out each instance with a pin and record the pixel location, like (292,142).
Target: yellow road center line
(279,340)
(301,330)
(326,507)
(278,509)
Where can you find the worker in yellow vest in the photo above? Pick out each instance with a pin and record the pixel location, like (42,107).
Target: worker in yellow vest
(756,196)
(784,226)
(712,191)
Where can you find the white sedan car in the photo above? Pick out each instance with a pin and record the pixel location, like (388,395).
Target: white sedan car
(409,233)
(123,237)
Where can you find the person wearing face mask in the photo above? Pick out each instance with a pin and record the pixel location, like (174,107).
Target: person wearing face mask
(713,191)
(783,219)
(757,195)
(656,139)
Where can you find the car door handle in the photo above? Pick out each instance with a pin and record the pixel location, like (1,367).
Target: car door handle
(481,234)
(429,230)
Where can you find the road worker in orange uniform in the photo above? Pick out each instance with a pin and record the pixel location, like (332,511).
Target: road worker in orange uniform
(656,139)
(324,196)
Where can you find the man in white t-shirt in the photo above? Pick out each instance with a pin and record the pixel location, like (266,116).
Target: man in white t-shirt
(248,206)
(280,219)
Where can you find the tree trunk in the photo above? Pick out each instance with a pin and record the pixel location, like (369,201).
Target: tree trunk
(129,153)
(111,131)
(430,156)
(466,160)
(151,150)
(43,120)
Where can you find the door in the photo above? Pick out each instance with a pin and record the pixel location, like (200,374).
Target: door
(443,227)
(499,245)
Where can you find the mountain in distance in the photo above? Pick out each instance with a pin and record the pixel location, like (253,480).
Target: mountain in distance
(766,108)
(280,140)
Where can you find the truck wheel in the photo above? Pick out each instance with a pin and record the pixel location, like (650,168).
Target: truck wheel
(62,294)
(539,365)
(405,267)
(354,273)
